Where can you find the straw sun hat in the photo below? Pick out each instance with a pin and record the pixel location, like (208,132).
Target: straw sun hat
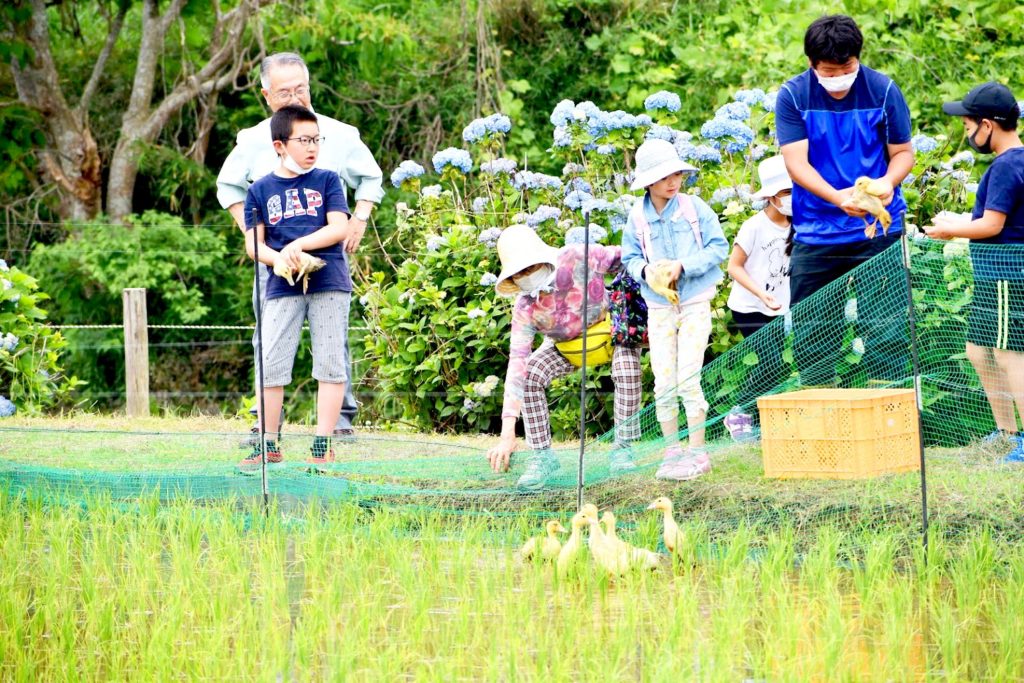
(657,159)
(519,247)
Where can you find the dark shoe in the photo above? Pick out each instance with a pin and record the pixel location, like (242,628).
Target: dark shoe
(318,461)
(344,435)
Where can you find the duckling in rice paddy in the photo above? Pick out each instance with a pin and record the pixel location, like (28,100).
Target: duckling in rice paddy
(547,547)
(670,529)
(567,555)
(640,557)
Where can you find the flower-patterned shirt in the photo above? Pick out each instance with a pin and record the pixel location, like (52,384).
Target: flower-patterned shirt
(556,313)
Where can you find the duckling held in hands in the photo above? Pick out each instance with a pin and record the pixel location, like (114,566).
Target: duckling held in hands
(866,195)
(567,555)
(660,278)
(310,264)
(670,532)
(547,546)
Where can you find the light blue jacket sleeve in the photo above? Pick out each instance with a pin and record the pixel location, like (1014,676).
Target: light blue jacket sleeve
(716,247)
(234,178)
(360,171)
(632,257)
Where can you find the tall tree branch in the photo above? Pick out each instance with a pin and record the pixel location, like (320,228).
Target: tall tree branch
(116,24)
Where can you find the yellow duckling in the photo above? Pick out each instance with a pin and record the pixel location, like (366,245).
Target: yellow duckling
(866,193)
(610,557)
(549,546)
(670,532)
(637,556)
(567,555)
(310,264)
(659,277)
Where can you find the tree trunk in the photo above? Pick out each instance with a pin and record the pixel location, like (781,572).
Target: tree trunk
(72,160)
(142,122)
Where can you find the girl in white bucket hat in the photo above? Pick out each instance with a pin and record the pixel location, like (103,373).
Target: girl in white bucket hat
(548,287)
(673,241)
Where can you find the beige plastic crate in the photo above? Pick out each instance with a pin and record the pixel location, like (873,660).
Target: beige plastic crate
(839,433)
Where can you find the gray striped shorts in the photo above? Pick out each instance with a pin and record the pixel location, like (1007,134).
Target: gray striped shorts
(327,313)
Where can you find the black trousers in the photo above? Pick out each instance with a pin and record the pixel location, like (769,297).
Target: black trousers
(823,279)
(770,370)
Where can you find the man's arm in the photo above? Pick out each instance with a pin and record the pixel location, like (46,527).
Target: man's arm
(901,162)
(359,170)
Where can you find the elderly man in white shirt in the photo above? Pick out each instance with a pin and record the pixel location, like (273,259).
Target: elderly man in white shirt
(284,78)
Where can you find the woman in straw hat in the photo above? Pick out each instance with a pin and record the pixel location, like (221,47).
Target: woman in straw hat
(548,286)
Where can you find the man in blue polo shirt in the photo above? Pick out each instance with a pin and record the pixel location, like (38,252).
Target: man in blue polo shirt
(835,122)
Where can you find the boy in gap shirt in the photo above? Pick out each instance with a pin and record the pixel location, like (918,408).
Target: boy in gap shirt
(296,209)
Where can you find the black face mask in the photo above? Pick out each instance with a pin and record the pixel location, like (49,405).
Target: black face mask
(985,148)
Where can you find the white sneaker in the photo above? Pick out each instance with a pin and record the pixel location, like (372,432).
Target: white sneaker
(690,466)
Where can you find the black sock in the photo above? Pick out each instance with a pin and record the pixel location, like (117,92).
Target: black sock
(321,444)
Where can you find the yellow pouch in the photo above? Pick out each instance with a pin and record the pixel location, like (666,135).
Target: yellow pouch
(599,345)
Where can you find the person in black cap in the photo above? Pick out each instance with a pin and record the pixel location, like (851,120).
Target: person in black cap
(995,325)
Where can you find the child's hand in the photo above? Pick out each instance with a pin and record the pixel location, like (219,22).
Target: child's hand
(292,255)
(283,269)
(770,301)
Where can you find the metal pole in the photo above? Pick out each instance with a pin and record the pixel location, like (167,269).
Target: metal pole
(259,358)
(905,243)
(583,361)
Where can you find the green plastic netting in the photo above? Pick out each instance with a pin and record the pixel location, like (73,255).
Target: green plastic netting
(855,333)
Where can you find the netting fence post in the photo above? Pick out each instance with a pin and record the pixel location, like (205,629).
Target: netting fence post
(583,361)
(136,352)
(259,360)
(916,365)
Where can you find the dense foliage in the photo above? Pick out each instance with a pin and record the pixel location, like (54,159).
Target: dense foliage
(411,77)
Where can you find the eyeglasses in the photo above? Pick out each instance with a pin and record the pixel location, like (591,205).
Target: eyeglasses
(307,141)
(287,95)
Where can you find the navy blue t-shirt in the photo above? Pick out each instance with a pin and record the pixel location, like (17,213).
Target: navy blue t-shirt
(1001,189)
(291,208)
(847,139)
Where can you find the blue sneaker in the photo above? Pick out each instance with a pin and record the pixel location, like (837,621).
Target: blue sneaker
(539,466)
(1017,454)
(621,460)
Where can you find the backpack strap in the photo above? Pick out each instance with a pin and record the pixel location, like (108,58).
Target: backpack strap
(643,229)
(685,209)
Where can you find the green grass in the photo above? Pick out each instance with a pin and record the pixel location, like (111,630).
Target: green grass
(107,591)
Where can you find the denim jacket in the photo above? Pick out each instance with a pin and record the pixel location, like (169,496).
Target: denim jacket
(673,237)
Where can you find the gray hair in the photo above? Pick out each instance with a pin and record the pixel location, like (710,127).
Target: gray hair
(279,59)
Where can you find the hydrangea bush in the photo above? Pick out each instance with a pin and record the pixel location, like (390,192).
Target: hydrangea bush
(31,376)
(442,332)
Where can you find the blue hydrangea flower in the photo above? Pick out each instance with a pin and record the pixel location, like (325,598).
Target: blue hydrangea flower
(577,234)
(606,150)
(734,135)
(435,242)
(542,214)
(768,103)
(474,131)
(480,204)
(3,266)
(660,133)
(6,407)
(575,199)
(488,279)
(490,237)
(562,113)
(572,168)
(561,137)
(706,153)
(960,175)
(757,152)
(468,405)
(578,184)
(736,111)
(924,143)
(9,342)
(964,158)
(686,150)
(493,125)
(454,157)
(499,166)
(407,170)
(433,191)
(476,313)
(909,180)
(662,100)
(758,204)
(599,205)
(723,195)
(528,180)
(585,110)
(750,97)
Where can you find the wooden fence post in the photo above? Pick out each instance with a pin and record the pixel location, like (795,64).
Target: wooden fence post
(136,352)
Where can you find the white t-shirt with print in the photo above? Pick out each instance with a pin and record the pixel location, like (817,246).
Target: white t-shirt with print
(765,245)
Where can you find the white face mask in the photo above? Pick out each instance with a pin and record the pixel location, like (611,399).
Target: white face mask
(535,283)
(785,205)
(838,83)
(293,165)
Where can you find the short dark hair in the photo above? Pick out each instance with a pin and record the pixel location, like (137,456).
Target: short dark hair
(1009,124)
(833,38)
(283,120)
